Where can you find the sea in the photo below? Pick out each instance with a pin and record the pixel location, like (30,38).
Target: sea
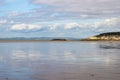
(80,60)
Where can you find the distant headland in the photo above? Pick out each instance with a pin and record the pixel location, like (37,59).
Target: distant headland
(110,36)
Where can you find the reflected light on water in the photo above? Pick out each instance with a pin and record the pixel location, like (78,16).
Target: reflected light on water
(108,60)
(19,54)
(35,55)
(64,56)
(22,55)
(58,61)
(69,55)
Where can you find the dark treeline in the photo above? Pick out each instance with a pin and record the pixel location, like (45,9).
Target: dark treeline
(109,34)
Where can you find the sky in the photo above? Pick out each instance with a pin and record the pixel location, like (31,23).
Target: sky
(58,18)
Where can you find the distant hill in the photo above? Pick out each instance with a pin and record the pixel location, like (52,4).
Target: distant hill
(110,36)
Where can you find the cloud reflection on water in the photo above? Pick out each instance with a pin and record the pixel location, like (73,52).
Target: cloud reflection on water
(30,61)
(65,55)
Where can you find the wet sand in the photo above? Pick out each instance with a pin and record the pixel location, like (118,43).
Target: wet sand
(59,61)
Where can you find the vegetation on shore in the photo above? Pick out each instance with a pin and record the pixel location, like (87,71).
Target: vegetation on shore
(110,36)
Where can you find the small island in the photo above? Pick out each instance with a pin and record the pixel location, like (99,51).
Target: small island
(110,36)
(58,40)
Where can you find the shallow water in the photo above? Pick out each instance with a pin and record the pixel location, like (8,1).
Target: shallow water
(60,61)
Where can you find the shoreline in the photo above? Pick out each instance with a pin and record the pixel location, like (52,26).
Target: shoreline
(59,41)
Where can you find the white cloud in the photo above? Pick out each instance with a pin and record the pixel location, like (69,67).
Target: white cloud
(53,26)
(4,21)
(71,25)
(104,25)
(25,27)
(110,22)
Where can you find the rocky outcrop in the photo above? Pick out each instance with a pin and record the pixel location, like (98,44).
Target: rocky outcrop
(111,36)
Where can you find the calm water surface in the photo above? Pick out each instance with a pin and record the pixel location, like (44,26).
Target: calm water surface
(60,61)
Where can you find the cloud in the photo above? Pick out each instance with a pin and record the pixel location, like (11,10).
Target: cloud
(71,17)
(75,29)
(109,22)
(71,25)
(59,10)
(107,25)
(6,22)
(112,21)
(102,24)
(85,7)
(25,27)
